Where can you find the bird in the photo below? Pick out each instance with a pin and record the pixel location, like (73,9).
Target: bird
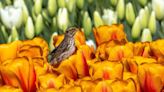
(65,49)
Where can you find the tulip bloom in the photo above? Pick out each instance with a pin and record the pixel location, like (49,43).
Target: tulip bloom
(134,77)
(158,7)
(109,17)
(119,52)
(19,72)
(11,16)
(158,50)
(114,32)
(108,70)
(151,77)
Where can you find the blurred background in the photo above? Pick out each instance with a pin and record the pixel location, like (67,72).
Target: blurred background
(143,20)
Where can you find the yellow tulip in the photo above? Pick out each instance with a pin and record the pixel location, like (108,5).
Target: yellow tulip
(106,70)
(9,51)
(158,50)
(151,77)
(119,52)
(128,75)
(19,72)
(114,32)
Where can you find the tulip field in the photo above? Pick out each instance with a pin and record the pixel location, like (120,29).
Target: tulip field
(119,45)
(115,66)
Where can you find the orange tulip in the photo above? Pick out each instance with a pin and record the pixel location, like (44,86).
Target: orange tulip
(19,72)
(142,49)
(79,38)
(151,77)
(67,68)
(115,86)
(9,51)
(132,64)
(81,65)
(34,48)
(106,70)
(158,50)
(41,66)
(7,88)
(119,52)
(50,80)
(123,85)
(103,86)
(128,75)
(86,83)
(105,34)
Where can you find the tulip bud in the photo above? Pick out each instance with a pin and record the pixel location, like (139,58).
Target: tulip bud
(54,24)
(14,34)
(121,9)
(70,4)
(113,2)
(29,29)
(147,12)
(9,39)
(80,3)
(146,35)
(52,7)
(61,3)
(45,16)
(87,24)
(109,17)
(142,2)
(33,14)
(136,29)
(1,5)
(152,23)
(158,7)
(62,19)
(130,15)
(39,24)
(8,2)
(11,16)
(38,6)
(143,18)
(97,19)
(51,45)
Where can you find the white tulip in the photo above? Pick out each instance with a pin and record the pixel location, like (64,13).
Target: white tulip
(158,7)
(63,19)
(11,16)
(109,17)
(21,4)
(146,35)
